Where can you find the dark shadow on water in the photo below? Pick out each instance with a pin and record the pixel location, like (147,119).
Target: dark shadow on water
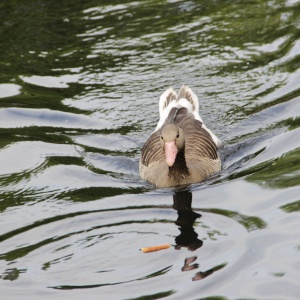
(12,274)
(188,238)
(186,217)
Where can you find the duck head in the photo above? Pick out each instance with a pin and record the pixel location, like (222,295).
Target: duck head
(172,141)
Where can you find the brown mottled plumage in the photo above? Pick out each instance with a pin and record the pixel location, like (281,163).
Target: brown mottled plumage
(196,146)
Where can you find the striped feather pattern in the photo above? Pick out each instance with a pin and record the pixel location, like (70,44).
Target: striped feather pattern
(152,151)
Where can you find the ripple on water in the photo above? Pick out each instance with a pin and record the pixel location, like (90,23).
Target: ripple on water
(109,239)
(79,96)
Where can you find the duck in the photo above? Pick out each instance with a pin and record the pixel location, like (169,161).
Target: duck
(181,150)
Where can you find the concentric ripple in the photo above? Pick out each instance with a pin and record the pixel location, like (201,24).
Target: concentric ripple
(79,92)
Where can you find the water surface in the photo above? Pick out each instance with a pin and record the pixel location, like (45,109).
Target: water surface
(79,92)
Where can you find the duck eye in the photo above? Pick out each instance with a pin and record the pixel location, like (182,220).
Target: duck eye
(162,137)
(177,136)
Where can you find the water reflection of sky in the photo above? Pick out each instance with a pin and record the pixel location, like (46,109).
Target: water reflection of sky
(79,92)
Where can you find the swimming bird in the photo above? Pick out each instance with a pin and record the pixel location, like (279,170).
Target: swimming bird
(181,150)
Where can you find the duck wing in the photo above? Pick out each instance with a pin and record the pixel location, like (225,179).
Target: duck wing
(152,152)
(198,141)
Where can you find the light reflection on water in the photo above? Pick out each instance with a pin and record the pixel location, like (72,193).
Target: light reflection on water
(79,95)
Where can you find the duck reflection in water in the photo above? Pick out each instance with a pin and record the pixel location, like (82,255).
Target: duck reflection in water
(188,238)
(182,202)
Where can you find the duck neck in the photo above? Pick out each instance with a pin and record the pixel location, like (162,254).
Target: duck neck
(179,168)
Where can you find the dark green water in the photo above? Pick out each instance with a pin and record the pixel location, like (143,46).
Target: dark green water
(79,89)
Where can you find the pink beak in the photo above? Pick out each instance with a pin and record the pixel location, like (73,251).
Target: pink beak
(171,152)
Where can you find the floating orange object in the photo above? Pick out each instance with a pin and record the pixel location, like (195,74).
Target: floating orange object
(155,248)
